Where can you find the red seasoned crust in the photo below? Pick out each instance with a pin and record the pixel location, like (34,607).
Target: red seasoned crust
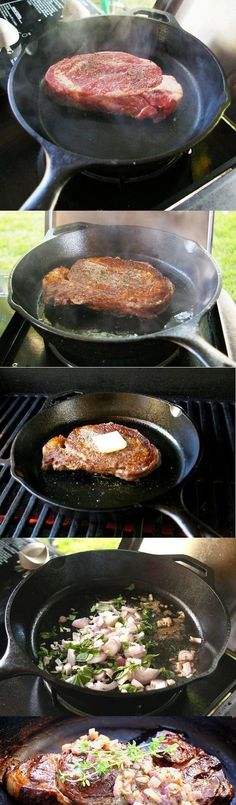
(78,452)
(124,287)
(113,81)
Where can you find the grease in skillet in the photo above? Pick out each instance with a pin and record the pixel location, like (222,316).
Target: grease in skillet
(129,644)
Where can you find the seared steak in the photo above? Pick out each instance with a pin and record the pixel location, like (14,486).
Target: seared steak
(85,786)
(114,82)
(202,771)
(125,287)
(174,750)
(79,452)
(34,781)
(95,770)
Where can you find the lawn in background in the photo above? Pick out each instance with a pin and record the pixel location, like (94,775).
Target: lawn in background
(75,545)
(20,231)
(224,249)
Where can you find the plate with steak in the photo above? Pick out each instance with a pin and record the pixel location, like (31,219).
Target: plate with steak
(100,769)
(98,449)
(114,82)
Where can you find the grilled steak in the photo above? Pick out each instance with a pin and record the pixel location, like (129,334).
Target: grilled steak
(34,781)
(79,452)
(114,82)
(124,287)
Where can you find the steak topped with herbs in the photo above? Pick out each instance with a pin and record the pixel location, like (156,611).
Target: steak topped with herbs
(96,770)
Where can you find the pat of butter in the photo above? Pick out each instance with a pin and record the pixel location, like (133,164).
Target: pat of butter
(109,442)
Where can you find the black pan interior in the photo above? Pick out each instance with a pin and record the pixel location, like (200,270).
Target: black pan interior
(192,271)
(82,600)
(63,581)
(45,738)
(175,436)
(113,137)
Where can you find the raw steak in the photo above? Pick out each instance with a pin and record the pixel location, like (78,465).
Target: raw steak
(124,287)
(114,82)
(78,452)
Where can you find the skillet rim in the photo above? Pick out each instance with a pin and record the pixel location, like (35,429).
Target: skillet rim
(47,500)
(164,333)
(50,678)
(115,162)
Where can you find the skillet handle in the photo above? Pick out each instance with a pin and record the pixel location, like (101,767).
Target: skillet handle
(156,14)
(196,566)
(190,525)
(64,395)
(14,663)
(60,166)
(191,338)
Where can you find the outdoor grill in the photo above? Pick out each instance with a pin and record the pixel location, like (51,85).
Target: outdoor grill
(214,157)
(21,345)
(188,182)
(208,493)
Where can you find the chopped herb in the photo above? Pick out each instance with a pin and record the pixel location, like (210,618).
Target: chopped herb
(133,751)
(160,743)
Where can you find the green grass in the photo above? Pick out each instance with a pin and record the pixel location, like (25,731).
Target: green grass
(19,232)
(75,545)
(224,249)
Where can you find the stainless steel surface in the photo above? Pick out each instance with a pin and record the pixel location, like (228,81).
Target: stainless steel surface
(227,312)
(197,227)
(221,557)
(214,22)
(218,194)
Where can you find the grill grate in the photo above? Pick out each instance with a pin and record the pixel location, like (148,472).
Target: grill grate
(208,493)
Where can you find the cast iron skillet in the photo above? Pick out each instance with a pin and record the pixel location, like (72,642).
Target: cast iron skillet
(73,140)
(193,271)
(20,740)
(163,424)
(43,596)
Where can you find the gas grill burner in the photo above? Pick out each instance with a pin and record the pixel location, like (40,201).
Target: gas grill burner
(149,355)
(98,708)
(121,189)
(137,173)
(209,493)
